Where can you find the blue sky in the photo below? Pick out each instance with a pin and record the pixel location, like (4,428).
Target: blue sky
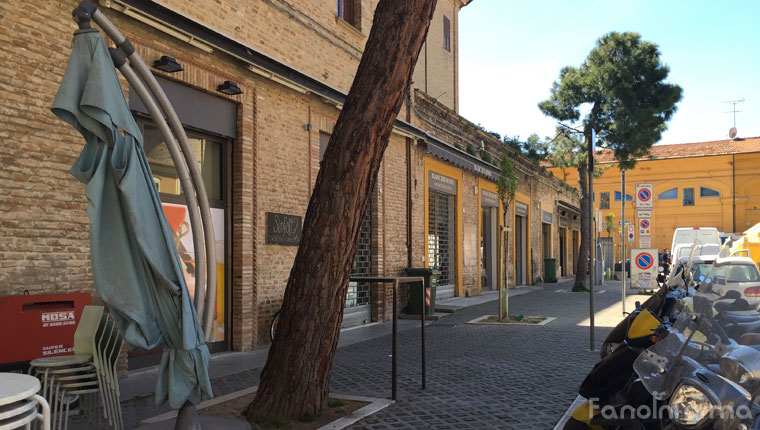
(512,51)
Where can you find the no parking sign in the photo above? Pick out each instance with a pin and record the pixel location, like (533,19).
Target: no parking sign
(644,268)
(645,226)
(644,197)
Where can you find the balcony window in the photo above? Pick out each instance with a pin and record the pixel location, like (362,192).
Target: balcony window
(349,11)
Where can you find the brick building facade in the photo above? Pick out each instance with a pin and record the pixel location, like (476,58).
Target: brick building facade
(294,62)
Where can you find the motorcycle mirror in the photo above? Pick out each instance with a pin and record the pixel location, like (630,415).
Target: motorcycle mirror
(701,278)
(708,280)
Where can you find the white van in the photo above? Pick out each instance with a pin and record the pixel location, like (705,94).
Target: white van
(686,236)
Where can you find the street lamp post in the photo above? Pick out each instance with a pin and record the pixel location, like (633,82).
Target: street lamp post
(622,230)
(593,245)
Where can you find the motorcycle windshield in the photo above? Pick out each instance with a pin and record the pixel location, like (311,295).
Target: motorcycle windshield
(657,366)
(710,338)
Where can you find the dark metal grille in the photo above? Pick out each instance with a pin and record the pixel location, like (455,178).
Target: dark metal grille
(359,293)
(441,236)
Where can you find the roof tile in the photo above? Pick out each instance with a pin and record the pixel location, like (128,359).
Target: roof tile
(695,149)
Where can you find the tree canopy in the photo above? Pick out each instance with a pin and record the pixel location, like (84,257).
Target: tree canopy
(623,79)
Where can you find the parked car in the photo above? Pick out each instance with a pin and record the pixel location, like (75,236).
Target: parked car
(683,250)
(687,236)
(736,274)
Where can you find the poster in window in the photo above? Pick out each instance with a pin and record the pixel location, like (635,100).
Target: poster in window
(470,244)
(179,221)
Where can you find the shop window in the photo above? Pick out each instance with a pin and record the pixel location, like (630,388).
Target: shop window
(604,200)
(446,34)
(618,197)
(688,196)
(209,152)
(670,194)
(350,11)
(705,192)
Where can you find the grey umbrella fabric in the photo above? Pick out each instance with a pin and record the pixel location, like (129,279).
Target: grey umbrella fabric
(136,268)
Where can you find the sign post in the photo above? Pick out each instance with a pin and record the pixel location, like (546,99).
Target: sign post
(643,268)
(644,206)
(622,235)
(590,172)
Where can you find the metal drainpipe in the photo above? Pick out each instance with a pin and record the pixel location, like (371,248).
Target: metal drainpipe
(408,184)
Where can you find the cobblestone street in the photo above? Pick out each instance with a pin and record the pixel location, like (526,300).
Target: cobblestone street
(478,376)
(482,376)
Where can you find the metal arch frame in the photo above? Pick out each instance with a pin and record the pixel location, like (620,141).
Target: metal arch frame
(150,92)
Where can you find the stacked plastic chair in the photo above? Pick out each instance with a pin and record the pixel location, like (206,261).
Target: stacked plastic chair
(90,371)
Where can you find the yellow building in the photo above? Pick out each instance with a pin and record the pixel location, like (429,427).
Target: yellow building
(702,184)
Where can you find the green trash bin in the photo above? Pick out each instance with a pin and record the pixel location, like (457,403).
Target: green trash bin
(550,270)
(416,298)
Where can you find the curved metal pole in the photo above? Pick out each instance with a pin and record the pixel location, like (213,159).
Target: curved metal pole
(205,306)
(171,145)
(195,174)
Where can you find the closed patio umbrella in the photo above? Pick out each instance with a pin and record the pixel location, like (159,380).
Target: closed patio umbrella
(136,268)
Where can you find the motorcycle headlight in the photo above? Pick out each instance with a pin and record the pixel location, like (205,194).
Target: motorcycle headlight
(690,405)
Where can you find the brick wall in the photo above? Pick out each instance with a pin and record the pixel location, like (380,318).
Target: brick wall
(282,29)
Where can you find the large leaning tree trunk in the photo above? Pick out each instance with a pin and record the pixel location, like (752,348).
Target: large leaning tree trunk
(296,377)
(582,264)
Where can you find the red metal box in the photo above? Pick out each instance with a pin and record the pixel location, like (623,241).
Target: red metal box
(33,326)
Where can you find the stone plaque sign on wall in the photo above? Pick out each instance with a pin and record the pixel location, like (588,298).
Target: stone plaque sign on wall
(283,229)
(547,217)
(562,221)
(489,199)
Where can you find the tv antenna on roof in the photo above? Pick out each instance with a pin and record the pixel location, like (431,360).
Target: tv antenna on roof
(732,131)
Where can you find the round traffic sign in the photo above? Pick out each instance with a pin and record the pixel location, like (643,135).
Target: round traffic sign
(644,260)
(644,194)
(645,223)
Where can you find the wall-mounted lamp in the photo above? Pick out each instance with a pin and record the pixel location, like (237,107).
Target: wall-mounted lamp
(229,88)
(167,64)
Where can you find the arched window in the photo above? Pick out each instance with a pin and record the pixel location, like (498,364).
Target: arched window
(618,197)
(670,194)
(708,192)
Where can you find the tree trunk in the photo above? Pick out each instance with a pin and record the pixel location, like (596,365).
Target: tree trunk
(296,377)
(583,252)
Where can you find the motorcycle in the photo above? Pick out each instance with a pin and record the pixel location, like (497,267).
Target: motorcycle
(694,376)
(660,304)
(701,377)
(613,372)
